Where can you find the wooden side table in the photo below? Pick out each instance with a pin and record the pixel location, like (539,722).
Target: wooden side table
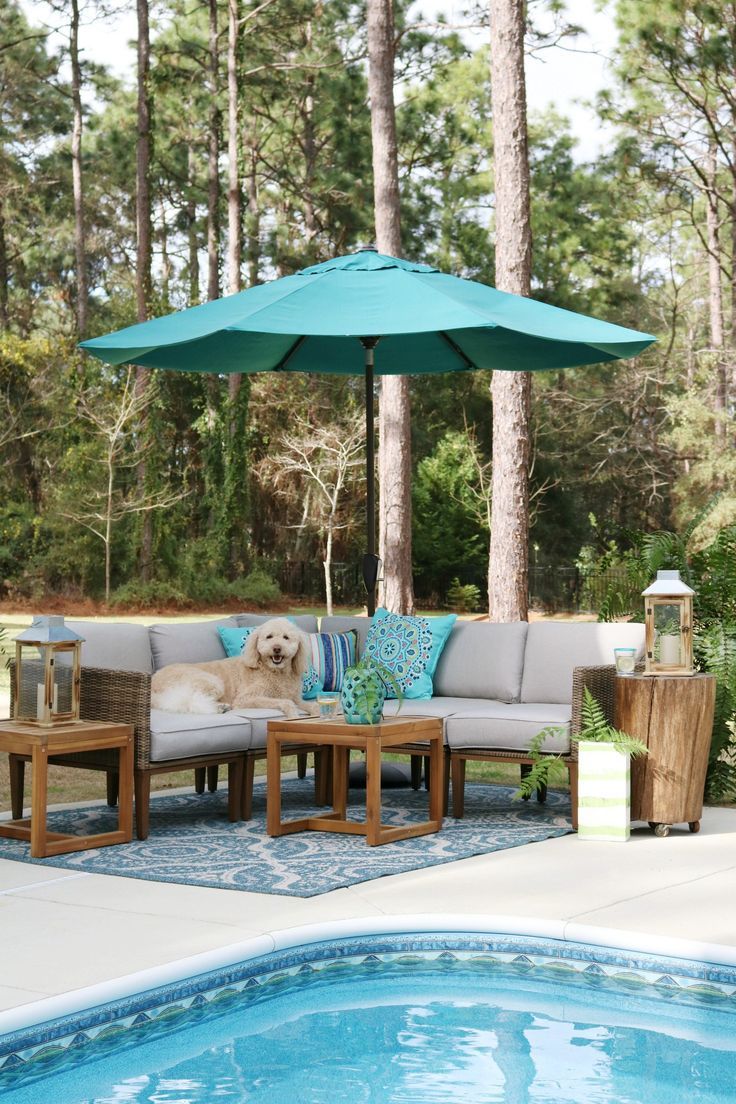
(673,716)
(24,741)
(410,735)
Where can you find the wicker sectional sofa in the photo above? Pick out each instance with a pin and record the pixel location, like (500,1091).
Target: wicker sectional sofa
(495,688)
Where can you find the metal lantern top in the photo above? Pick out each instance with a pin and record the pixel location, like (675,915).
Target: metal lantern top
(668,584)
(49,630)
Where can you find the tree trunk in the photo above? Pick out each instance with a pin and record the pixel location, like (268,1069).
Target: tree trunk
(80,253)
(328,570)
(234,213)
(394,457)
(715,295)
(253,219)
(213,153)
(143,242)
(192,243)
(508,569)
(4,274)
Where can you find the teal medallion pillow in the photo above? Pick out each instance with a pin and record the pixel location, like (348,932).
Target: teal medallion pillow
(233,641)
(408,647)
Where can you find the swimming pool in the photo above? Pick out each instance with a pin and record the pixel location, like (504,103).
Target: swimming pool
(400,1019)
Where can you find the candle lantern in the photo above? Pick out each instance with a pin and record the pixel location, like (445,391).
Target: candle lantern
(669,626)
(47,670)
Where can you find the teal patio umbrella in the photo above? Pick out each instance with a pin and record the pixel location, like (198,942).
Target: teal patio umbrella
(330,318)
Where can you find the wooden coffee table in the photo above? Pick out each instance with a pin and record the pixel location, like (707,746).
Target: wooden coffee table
(26,741)
(410,735)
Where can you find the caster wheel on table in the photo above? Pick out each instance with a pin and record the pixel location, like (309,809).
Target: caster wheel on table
(694,825)
(662,830)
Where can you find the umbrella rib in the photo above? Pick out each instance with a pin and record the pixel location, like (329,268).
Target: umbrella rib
(289,354)
(456,349)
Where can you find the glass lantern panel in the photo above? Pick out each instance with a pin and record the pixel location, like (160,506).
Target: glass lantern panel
(667,638)
(32,676)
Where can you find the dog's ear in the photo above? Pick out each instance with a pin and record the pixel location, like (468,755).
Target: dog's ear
(303,655)
(250,654)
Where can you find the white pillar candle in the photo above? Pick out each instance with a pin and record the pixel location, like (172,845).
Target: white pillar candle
(40,701)
(669,650)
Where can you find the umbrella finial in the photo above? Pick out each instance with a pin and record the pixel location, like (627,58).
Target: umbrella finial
(366,247)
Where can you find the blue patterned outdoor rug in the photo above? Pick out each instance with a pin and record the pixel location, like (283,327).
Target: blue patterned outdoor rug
(192,842)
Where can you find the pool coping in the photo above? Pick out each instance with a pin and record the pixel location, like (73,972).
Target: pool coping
(699,956)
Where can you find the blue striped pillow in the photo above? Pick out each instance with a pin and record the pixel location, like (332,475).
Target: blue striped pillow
(332,654)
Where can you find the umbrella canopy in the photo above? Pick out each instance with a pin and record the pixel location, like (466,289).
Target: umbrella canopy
(330,317)
(427,321)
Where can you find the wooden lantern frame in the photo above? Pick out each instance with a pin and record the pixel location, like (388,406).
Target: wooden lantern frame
(669,590)
(50,637)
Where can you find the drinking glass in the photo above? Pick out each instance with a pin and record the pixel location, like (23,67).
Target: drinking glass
(625,660)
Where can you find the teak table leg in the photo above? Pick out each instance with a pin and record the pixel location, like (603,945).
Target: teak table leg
(340,757)
(39,766)
(16,770)
(437,789)
(125,790)
(273,787)
(373,792)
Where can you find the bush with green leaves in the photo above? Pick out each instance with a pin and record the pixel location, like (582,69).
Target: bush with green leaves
(257,588)
(463,597)
(711,572)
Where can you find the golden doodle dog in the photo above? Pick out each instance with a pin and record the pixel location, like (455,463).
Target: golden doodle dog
(267,675)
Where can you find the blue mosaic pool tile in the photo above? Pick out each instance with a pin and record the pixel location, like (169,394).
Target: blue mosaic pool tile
(257,978)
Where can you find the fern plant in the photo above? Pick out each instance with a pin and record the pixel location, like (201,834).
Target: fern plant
(595,729)
(711,572)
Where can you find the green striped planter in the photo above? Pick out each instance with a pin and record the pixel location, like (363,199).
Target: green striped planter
(603,792)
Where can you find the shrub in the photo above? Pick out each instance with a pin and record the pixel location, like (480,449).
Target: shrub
(463,597)
(149,595)
(257,587)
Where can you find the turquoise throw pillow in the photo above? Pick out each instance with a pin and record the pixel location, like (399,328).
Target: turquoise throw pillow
(408,647)
(233,641)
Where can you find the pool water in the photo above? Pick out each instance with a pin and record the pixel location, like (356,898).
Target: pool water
(390,1032)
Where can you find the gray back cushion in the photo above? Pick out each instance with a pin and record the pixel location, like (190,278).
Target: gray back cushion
(554,648)
(117,645)
(482,660)
(307,622)
(188,641)
(344,624)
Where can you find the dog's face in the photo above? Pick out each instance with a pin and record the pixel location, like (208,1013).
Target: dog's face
(278,645)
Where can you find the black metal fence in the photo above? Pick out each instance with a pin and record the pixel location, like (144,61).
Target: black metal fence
(551,588)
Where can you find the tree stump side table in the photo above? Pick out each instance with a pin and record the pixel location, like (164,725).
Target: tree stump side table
(673,716)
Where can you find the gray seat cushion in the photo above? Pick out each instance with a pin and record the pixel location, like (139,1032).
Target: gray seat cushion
(185,735)
(555,648)
(307,622)
(258,719)
(434,707)
(482,660)
(116,645)
(188,641)
(497,725)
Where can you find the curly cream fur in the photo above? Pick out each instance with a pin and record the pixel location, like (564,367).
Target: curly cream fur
(268,675)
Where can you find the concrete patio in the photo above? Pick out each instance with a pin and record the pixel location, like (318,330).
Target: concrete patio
(65,931)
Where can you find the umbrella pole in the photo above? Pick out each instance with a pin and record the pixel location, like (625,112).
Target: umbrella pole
(370,560)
